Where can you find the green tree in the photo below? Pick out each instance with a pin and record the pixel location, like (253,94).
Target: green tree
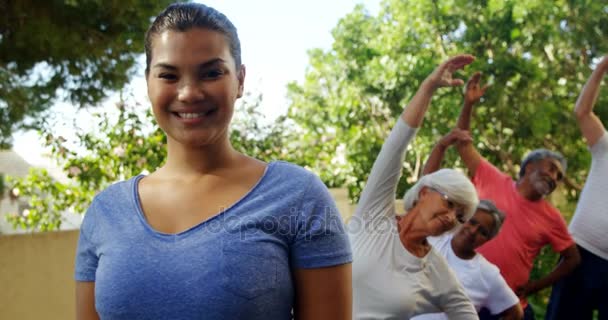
(536,54)
(74,50)
(126,142)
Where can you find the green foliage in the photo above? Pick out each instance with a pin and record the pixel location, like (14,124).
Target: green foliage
(126,142)
(79,50)
(536,54)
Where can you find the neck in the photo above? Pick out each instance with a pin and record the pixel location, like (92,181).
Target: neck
(412,233)
(186,160)
(462,253)
(526,190)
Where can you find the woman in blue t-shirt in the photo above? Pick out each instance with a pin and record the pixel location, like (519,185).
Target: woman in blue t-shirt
(213,233)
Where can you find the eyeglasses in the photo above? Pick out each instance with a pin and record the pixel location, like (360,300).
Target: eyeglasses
(452,205)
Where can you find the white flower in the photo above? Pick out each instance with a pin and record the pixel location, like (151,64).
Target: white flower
(74,171)
(119,151)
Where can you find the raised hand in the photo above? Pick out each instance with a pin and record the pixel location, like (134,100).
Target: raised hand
(455,136)
(473,91)
(442,75)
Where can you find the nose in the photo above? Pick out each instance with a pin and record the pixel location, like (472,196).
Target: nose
(190,92)
(451,216)
(474,229)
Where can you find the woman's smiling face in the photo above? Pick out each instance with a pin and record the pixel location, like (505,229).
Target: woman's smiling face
(193,83)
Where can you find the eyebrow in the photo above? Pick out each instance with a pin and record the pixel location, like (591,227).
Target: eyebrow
(203,65)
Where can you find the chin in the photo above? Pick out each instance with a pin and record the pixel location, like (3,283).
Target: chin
(438,232)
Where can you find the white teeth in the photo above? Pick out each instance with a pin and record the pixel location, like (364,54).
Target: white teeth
(190,115)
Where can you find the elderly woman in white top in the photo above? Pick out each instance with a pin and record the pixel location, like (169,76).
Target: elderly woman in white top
(481,280)
(396,272)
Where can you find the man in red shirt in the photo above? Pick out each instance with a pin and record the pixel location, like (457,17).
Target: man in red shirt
(531,221)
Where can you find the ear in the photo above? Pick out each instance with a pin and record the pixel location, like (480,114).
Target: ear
(241,78)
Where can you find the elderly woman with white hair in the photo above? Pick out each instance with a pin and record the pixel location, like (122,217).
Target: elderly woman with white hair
(396,272)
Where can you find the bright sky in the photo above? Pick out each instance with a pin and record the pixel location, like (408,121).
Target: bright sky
(275,36)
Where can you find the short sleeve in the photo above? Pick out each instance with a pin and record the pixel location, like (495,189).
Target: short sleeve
(500,296)
(86,251)
(456,304)
(600,148)
(320,239)
(558,235)
(489,179)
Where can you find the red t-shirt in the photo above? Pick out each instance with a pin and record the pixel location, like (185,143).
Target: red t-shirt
(529,226)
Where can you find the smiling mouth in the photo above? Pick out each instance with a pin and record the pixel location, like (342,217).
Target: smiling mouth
(446,224)
(194,115)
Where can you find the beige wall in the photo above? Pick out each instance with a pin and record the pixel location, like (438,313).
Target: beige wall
(36,271)
(36,276)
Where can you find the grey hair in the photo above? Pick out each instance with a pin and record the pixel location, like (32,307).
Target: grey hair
(449,181)
(539,154)
(488,207)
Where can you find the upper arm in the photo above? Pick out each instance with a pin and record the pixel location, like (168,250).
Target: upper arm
(591,127)
(515,312)
(85,301)
(454,300)
(378,196)
(470,156)
(324,293)
(571,254)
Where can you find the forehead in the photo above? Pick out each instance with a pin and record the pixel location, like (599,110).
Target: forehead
(192,46)
(552,162)
(484,218)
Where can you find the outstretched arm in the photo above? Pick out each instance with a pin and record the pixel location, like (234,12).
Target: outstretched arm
(433,163)
(378,196)
(473,92)
(590,125)
(570,260)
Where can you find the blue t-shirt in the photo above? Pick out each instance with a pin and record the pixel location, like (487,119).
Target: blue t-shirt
(235,265)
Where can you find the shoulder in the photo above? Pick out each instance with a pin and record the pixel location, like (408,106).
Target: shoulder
(288,169)
(440,243)
(292,177)
(485,170)
(600,148)
(117,191)
(551,212)
(289,184)
(488,270)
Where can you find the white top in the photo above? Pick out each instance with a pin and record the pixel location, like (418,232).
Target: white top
(388,281)
(590,222)
(481,280)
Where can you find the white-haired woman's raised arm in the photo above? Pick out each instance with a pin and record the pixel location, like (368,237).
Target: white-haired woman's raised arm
(378,196)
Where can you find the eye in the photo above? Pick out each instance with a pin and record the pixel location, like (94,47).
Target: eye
(484,232)
(450,204)
(212,74)
(168,76)
(460,218)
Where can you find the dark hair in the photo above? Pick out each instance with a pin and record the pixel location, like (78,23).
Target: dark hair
(539,154)
(487,206)
(185,16)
